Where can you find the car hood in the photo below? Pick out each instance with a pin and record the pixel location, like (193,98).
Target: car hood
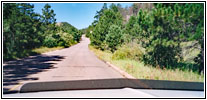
(114,87)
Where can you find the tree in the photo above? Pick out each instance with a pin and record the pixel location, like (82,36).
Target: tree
(99,14)
(135,8)
(21,29)
(48,18)
(171,25)
(48,15)
(108,18)
(195,28)
(114,37)
(130,25)
(114,7)
(10,11)
(162,46)
(49,21)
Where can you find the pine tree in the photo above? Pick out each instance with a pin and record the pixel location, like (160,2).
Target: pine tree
(108,18)
(48,18)
(20,29)
(99,14)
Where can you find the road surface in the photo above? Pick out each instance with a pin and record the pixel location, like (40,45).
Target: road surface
(74,63)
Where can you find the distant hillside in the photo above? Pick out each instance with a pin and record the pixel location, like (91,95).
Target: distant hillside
(58,23)
(66,25)
(132,10)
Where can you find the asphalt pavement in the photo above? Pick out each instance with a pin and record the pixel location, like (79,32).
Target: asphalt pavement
(74,63)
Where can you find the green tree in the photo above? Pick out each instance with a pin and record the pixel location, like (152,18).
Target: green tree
(10,12)
(48,18)
(114,37)
(99,14)
(114,7)
(135,9)
(49,21)
(194,26)
(130,25)
(163,39)
(21,29)
(171,25)
(101,29)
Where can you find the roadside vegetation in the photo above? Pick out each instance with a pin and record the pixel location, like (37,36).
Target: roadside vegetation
(28,33)
(45,49)
(139,70)
(157,41)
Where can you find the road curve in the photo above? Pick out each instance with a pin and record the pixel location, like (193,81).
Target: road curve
(74,63)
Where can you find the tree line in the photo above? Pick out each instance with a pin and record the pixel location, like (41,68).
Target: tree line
(24,30)
(159,31)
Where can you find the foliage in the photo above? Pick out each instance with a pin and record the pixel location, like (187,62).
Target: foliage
(68,28)
(50,41)
(200,58)
(89,31)
(141,71)
(21,29)
(114,37)
(66,40)
(196,28)
(24,30)
(99,14)
(169,27)
(114,7)
(128,51)
(130,25)
(48,16)
(48,19)
(100,31)
(163,47)
(160,30)
(135,8)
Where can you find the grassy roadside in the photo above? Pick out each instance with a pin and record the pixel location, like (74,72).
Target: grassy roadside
(141,71)
(46,49)
(36,51)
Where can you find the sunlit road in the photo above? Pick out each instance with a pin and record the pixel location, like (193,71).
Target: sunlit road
(74,63)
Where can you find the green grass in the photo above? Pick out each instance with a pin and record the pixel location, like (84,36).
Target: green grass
(141,71)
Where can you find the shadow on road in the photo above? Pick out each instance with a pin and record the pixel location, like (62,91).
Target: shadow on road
(18,70)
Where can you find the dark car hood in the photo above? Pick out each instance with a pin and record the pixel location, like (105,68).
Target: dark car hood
(111,84)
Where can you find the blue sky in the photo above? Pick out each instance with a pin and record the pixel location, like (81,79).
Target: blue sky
(80,15)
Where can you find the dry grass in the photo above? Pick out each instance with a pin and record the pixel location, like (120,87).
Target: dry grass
(45,49)
(141,71)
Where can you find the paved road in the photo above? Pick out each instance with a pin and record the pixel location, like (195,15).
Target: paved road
(74,63)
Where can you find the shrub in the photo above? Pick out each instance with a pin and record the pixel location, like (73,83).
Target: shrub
(128,51)
(66,40)
(200,58)
(161,55)
(50,41)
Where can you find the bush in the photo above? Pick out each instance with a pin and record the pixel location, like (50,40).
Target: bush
(114,37)
(200,58)
(50,41)
(66,40)
(161,55)
(128,51)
